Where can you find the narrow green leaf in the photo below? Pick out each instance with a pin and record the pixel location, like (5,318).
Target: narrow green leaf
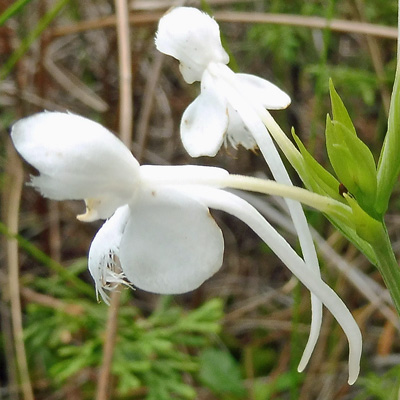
(367,228)
(27,41)
(43,258)
(317,178)
(322,182)
(352,236)
(339,110)
(353,163)
(12,10)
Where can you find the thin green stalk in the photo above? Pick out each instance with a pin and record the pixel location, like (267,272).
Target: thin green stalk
(388,172)
(388,265)
(44,259)
(26,43)
(13,9)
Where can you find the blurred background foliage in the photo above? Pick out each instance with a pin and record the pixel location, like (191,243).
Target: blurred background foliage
(240,336)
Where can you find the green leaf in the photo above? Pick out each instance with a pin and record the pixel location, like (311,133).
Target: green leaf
(353,163)
(44,259)
(27,41)
(389,160)
(350,233)
(367,228)
(351,159)
(13,9)
(221,373)
(317,178)
(339,110)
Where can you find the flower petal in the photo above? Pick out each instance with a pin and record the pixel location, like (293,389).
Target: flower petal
(77,159)
(205,121)
(103,250)
(192,37)
(171,243)
(263,91)
(238,133)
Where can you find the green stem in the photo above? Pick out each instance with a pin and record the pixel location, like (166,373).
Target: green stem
(387,265)
(44,259)
(13,9)
(26,43)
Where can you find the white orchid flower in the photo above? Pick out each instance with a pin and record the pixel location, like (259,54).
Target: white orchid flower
(231,108)
(193,38)
(159,226)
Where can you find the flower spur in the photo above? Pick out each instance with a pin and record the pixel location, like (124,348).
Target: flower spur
(230,109)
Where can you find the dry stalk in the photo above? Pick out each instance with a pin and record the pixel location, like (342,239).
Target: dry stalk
(15,176)
(125,127)
(337,25)
(148,97)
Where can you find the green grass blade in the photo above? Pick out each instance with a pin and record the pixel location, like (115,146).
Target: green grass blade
(389,161)
(44,259)
(13,9)
(26,43)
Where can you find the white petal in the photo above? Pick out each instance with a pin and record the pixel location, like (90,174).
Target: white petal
(238,133)
(232,204)
(77,159)
(205,122)
(192,37)
(263,91)
(171,243)
(103,250)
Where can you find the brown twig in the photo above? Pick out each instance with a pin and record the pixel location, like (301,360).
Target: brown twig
(15,174)
(51,302)
(125,72)
(165,4)
(103,386)
(147,105)
(126,124)
(336,25)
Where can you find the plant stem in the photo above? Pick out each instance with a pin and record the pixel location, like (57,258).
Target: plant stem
(45,260)
(103,390)
(388,265)
(26,43)
(125,128)
(12,217)
(12,10)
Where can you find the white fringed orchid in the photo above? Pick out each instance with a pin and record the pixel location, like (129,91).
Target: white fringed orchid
(231,108)
(193,38)
(159,226)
